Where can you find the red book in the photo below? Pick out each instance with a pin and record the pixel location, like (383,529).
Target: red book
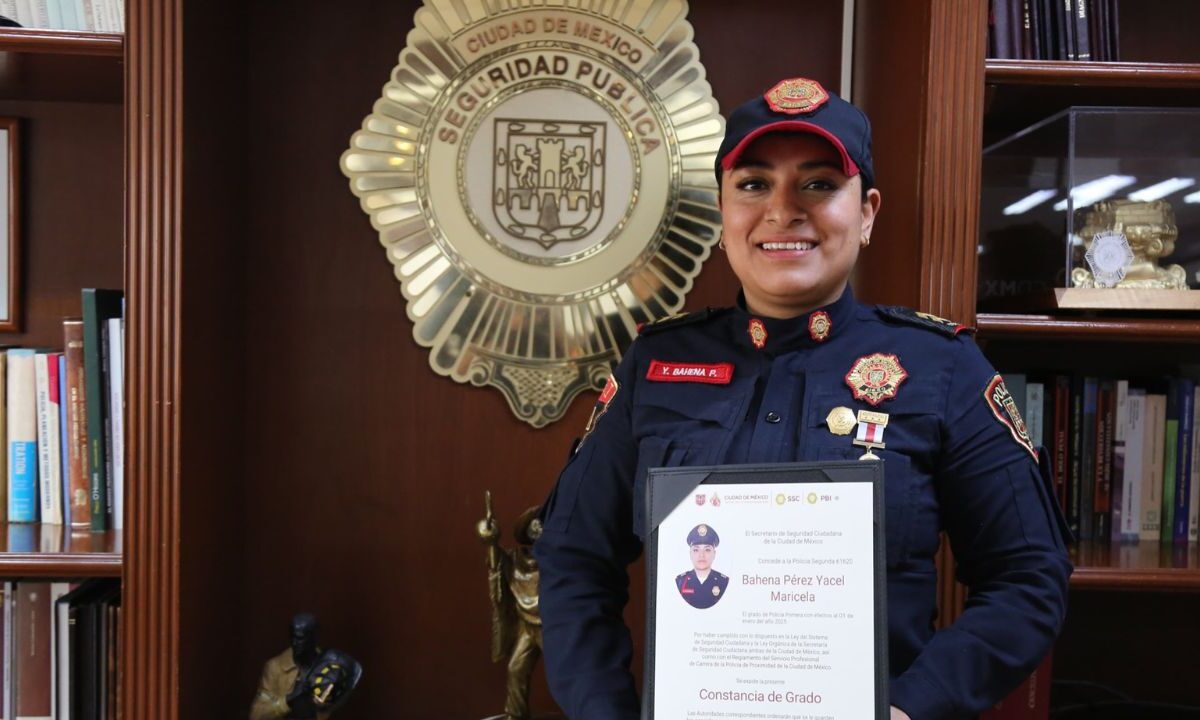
(78,506)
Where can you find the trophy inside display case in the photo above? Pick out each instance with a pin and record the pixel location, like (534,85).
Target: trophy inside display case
(1093,208)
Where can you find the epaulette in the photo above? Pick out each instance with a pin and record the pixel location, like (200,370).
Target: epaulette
(675,321)
(909,316)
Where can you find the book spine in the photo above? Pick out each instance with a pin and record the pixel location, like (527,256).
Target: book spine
(1035,404)
(116,374)
(1170,462)
(57,590)
(64,445)
(1075,458)
(1152,467)
(31,625)
(1083,47)
(1087,462)
(1194,495)
(1183,463)
(89,15)
(4,436)
(78,471)
(49,474)
(1061,439)
(1117,459)
(95,403)
(1066,28)
(1135,432)
(22,437)
(1102,499)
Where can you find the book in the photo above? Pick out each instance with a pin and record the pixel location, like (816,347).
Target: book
(1170,466)
(22,437)
(78,471)
(1194,499)
(1087,459)
(57,591)
(1061,439)
(1120,421)
(4,435)
(98,307)
(31,648)
(1133,466)
(1152,467)
(1183,462)
(1083,46)
(116,372)
(6,650)
(1102,483)
(1075,461)
(1035,402)
(45,368)
(64,445)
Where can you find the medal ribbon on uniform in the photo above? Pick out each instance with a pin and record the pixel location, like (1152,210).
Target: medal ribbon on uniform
(870,432)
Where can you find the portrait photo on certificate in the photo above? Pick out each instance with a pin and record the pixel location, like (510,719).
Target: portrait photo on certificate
(766,592)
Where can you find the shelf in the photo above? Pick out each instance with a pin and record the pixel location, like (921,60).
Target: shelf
(1133,330)
(61,65)
(1020,93)
(1091,74)
(1140,567)
(36,550)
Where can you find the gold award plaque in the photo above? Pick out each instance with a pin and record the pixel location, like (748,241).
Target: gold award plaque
(541,180)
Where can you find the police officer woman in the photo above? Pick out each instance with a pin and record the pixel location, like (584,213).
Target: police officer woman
(801,358)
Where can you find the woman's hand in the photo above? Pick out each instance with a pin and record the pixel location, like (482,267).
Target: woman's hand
(898,714)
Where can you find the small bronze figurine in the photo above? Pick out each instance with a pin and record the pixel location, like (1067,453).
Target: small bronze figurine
(513,586)
(303,682)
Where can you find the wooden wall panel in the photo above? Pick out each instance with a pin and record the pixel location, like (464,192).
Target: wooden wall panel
(364,471)
(71,210)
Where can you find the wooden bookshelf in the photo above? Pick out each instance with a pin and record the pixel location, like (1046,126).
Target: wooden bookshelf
(1140,567)
(1133,330)
(36,550)
(1058,73)
(61,65)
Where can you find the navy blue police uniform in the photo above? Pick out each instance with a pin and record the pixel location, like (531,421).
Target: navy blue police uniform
(702,593)
(724,386)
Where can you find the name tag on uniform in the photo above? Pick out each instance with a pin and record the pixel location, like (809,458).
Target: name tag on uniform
(718,374)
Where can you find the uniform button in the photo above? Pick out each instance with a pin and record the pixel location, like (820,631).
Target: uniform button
(773,417)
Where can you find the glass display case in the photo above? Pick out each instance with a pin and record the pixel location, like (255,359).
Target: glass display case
(1094,207)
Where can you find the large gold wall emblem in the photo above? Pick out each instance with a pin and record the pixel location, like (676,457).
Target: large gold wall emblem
(540,175)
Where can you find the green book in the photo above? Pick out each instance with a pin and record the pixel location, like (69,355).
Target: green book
(98,307)
(1169,464)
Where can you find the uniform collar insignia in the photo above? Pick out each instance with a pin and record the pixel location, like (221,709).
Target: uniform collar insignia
(777,335)
(819,326)
(758,333)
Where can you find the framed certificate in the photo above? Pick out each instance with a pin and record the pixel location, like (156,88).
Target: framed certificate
(766,592)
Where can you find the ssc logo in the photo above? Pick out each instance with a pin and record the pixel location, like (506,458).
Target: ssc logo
(540,180)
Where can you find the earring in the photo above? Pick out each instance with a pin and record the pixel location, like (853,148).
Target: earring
(866,240)
(721,241)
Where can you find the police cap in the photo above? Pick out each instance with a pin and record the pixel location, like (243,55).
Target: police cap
(801,105)
(703,535)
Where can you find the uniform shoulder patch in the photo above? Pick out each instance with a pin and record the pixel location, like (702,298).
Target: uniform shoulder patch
(908,316)
(1004,407)
(676,321)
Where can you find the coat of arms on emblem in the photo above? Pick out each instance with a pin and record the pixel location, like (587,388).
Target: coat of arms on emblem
(540,179)
(549,179)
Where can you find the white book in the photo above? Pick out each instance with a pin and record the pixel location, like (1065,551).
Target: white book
(8,8)
(57,649)
(45,367)
(1152,467)
(116,405)
(23,501)
(25,14)
(1135,433)
(41,13)
(1035,405)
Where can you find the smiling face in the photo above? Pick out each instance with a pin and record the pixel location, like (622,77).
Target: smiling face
(702,557)
(793,223)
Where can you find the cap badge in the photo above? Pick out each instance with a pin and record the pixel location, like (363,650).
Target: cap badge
(875,378)
(758,333)
(819,325)
(795,96)
(702,530)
